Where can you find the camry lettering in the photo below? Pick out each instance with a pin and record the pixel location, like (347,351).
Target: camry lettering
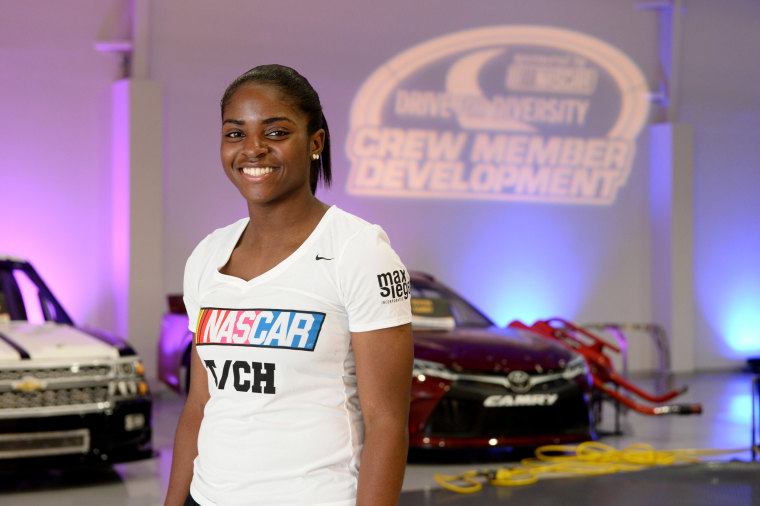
(508,401)
(295,330)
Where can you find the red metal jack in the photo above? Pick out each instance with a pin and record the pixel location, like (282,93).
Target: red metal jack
(603,373)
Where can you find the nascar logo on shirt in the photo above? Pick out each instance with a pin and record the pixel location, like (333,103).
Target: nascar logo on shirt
(271,328)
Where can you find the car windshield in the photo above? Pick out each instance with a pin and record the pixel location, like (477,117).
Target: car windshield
(440,303)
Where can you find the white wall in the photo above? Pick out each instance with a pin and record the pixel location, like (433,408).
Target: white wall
(337,48)
(55,149)
(720,96)
(591,263)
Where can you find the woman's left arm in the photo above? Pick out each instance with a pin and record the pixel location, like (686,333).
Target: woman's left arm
(384,375)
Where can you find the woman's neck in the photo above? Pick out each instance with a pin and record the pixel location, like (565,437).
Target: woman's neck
(279,224)
(270,237)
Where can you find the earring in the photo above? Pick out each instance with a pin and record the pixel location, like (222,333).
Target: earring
(315,156)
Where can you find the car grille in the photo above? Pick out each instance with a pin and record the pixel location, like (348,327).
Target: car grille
(29,444)
(41,391)
(461,412)
(83,371)
(54,397)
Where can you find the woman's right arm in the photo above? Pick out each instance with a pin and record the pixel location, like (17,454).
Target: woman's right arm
(186,437)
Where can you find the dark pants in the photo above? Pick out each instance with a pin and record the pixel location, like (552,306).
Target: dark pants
(190,501)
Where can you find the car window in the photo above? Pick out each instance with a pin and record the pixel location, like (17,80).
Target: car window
(11,302)
(24,297)
(463,312)
(5,314)
(30,294)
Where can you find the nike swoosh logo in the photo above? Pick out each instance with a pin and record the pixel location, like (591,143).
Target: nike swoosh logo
(322,258)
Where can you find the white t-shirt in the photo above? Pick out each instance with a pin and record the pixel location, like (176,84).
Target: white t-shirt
(283,424)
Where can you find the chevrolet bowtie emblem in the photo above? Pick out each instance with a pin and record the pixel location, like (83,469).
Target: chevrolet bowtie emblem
(28,385)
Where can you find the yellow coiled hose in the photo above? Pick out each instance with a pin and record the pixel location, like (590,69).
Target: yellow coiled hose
(586,458)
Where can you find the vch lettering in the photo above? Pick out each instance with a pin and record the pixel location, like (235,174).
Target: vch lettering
(256,377)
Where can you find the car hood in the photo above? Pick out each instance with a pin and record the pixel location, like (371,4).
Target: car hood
(490,350)
(50,341)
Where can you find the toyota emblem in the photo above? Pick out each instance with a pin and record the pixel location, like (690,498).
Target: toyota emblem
(519,381)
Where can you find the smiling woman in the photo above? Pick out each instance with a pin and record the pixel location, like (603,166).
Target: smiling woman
(297,92)
(265,141)
(301,356)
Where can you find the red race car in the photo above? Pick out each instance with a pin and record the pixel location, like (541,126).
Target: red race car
(475,385)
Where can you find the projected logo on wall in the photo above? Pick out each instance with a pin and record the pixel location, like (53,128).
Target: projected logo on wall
(519,113)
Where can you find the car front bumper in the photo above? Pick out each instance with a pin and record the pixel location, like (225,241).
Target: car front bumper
(118,434)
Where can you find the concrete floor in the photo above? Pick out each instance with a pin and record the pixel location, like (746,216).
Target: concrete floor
(724,424)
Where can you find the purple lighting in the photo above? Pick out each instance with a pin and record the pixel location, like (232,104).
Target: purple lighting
(120,204)
(729,291)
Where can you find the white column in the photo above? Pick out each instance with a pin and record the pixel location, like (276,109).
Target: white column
(671,214)
(138,215)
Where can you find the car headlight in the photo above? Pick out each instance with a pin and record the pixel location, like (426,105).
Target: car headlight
(129,367)
(129,381)
(126,369)
(575,367)
(426,368)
